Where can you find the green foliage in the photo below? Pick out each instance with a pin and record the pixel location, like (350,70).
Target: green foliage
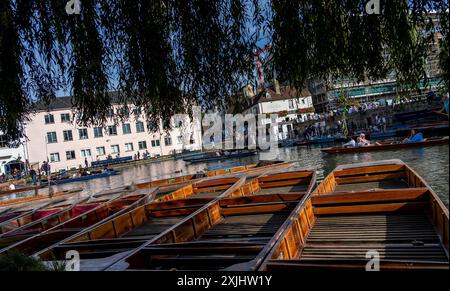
(15,261)
(167,55)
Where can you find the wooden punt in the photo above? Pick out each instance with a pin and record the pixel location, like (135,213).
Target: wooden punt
(108,206)
(231,233)
(251,169)
(385,146)
(42,216)
(37,198)
(8,214)
(18,190)
(383,207)
(129,230)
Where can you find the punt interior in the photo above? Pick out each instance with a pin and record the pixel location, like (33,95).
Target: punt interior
(131,229)
(39,237)
(384,207)
(229,233)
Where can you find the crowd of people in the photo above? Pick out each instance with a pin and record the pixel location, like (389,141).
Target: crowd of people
(360,118)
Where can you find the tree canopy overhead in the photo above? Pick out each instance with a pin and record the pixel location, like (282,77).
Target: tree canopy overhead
(166,55)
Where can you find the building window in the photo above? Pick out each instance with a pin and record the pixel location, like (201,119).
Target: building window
(98,132)
(126,128)
(101,151)
(303,101)
(51,137)
(54,157)
(110,113)
(86,153)
(115,149)
(140,126)
(124,112)
(83,133)
(152,126)
(155,143)
(3,142)
(65,117)
(70,155)
(142,145)
(49,119)
(137,111)
(67,135)
(180,139)
(168,141)
(129,147)
(291,104)
(112,130)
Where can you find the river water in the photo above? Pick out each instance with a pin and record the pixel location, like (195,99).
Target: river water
(432,163)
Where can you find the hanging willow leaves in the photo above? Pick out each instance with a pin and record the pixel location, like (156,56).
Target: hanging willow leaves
(168,55)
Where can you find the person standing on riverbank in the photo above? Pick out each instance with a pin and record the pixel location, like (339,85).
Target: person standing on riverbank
(33,176)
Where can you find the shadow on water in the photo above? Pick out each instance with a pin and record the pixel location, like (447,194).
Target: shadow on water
(431,163)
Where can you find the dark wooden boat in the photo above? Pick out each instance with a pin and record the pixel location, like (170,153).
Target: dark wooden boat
(385,146)
(215,157)
(105,207)
(84,178)
(234,232)
(359,210)
(129,230)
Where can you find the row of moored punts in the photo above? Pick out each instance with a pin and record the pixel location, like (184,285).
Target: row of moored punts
(257,217)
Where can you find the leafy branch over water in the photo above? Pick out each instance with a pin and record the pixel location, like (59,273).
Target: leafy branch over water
(167,55)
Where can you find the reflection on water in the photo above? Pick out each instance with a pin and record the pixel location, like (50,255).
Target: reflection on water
(431,163)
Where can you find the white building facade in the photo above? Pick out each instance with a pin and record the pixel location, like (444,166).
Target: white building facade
(291,106)
(53,135)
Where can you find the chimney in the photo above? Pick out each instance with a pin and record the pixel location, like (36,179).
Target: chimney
(276,84)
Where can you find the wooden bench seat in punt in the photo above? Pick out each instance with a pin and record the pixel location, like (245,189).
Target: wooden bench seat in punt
(292,182)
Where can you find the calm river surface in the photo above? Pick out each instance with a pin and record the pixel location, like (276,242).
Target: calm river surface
(432,163)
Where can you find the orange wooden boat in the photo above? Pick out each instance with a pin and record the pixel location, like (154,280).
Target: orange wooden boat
(129,230)
(234,232)
(361,212)
(39,236)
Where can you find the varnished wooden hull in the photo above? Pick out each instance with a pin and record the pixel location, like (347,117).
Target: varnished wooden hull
(386,147)
(107,208)
(380,210)
(183,215)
